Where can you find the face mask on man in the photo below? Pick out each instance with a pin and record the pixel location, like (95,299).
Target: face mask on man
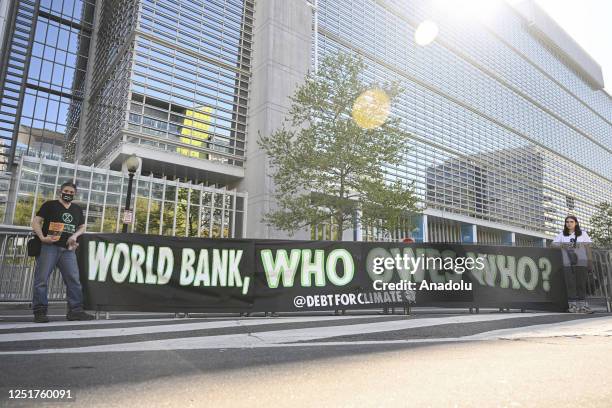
(67,197)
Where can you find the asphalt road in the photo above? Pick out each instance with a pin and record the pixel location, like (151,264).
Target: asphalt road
(436,358)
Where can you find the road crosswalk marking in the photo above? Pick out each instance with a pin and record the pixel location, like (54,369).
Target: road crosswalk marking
(52,324)
(294,337)
(169,328)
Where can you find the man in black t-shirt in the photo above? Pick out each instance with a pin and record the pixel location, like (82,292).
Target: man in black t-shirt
(58,224)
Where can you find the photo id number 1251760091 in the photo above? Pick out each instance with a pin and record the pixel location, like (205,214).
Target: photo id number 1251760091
(41,394)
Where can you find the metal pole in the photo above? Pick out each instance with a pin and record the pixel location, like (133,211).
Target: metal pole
(355,225)
(128,199)
(135,204)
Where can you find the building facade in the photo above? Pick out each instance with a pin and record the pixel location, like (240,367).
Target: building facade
(511,127)
(160,206)
(44,63)
(170,81)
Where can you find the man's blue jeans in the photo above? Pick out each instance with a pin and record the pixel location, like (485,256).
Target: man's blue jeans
(51,256)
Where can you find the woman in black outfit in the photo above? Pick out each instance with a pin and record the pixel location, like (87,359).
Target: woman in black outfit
(577,260)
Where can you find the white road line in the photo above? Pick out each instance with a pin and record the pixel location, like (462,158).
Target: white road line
(66,323)
(279,337)
(114,314)
(571,328)
(114,320)
(12,326)
(601,326)
(167,328)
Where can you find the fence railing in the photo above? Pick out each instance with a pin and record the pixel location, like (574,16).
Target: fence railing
(17,268)
(17,271)
(599,283)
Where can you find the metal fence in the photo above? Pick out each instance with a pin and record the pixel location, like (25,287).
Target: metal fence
(599,283)
(17,272)
(160,206)
(17,268)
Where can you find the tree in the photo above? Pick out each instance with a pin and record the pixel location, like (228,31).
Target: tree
(601,222)
(329,156)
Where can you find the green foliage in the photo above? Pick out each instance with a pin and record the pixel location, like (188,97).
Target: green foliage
(141,210)
(386,205)
(601,222)
(186,221)
(326,165)
(23,210)
(111,222)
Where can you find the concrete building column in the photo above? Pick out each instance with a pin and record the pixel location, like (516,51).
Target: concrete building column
(282,39)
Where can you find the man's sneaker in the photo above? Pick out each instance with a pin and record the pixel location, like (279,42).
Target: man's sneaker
(41,317)
(585,309)
(572,308)
(79,315)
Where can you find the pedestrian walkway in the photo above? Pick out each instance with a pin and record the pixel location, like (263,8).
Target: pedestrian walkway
(163,334)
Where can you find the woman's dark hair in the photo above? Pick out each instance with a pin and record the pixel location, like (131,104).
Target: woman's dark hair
(577,231)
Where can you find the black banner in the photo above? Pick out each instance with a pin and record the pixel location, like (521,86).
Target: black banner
(157,273)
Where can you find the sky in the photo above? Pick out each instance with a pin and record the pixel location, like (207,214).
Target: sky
(588,22)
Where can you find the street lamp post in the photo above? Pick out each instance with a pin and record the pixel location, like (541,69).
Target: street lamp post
(131,165)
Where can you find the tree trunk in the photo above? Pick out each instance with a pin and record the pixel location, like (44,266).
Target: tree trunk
(340,229)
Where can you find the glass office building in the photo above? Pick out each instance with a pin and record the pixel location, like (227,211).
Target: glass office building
(508,126)
(42,76)
(511,128)
(180,68)
(92,82)
(160,206)
(171,79)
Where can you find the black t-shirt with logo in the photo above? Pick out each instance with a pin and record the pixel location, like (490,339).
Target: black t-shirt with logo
(60,222)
